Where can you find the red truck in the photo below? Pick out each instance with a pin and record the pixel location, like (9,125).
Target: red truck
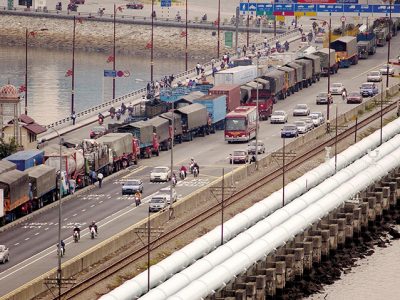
(232,93)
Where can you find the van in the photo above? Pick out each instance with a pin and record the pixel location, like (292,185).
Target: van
(158,202)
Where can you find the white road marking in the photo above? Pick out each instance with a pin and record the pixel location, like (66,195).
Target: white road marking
(361,74)
(83,210)
(101,201)
(37,233)
(92,205)
(66,219)
(74,215)
(16,244)
(27,239)
(47,228)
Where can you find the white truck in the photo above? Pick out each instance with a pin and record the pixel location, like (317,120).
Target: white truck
(237,75)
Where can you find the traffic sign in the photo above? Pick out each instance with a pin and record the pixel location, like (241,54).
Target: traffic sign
(110,73)
(166,3)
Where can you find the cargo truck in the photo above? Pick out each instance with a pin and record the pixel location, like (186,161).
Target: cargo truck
(346,51)
(6,166)
(236,75)
(307,71)
(316,65)
(161,129)
(328,62)
(177,125)
(382,34)
(146,139)
(98,157)
(14,189)
(299,74)
(277,85)
(366,43)
(291,79)
(216,108)
(26,159)
(232,93)
(42,184)
(194,120)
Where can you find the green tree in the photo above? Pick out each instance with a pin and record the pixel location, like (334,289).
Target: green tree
(7,149)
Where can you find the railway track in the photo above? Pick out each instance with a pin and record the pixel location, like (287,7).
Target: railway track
(112,269)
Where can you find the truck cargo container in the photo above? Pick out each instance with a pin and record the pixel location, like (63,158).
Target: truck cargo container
(98,157)
(307,71)
(328,62)
(316,64)
(232,93)
(177,125)
(367,36)
(291,79)
(381,36)
(277,84)
(299,74)
(237,75)
(161,128)
(144,136)
(43,185)
(346,51)
(194,120)
(216,108)
(6,166)
(26,159)
(14,185)
(363,49)
(171,95)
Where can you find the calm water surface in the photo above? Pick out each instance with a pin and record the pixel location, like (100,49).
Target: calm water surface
(49,91)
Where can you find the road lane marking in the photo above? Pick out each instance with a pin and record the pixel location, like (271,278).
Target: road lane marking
(101,201)
(37,233)
(74,215)
(47,228)
(16,244)
(92,205)
(83,210)
(27,239)
(359,75)
(135,171)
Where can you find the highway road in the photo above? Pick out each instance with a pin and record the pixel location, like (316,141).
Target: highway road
(32,243)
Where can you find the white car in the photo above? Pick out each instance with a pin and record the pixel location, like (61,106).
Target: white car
(384,70)
(337,88)
(309,123)
(4,254)
(251,149)
(301,126)
(320,115)
(301,110)
(160,174)
(279,116)
(158,202)
(374,76)
(317,118)
(167,192)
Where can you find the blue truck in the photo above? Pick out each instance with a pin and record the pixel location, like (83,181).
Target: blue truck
(26,159)
(216,108)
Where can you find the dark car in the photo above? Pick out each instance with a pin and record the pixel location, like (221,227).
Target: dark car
(97,132)
(289,130)
(134,5)
(354,97)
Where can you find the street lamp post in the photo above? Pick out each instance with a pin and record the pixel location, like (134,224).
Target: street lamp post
(114,21)
(257,116)
(186,37)
(248,24)
(218,21)
(152,39)
(73,69)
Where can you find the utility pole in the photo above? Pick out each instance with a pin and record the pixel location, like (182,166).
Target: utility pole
(171,211)
(115,13)
(186,38)
(248,24)
(218,21)
(237,29)
(257,116)
(336,134)
(73,69)
(26,71)
(329,77)
(152,40)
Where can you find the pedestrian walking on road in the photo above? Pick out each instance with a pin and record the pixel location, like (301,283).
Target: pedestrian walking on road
(94,177)
(73,117)
(100,178)
(244,49)
(198,68)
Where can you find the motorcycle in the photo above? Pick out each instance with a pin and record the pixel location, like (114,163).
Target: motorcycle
(137,201)
(118,115)
(195,172)
(174,181)
(76,236)
(60,251)
(92,232)
(182,174)
(191,168)
(101,120)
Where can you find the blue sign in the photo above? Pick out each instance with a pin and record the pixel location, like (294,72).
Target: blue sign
(110,73)
(265,7)
(284,7)
(330,8)
(305,7)
(166,3)
(252,6)
(347,1)
(243,7)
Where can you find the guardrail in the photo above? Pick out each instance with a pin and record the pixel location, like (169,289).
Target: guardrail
(142,92)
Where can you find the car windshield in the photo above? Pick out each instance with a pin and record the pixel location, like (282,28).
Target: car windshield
(322,94)
(253,143)
(167,189)
(314,116)
(301,106)
(160,170)
(235,124)
(239,153)
(2,248)
(133,182)
(375,73)
(354,94)
(367,86)
(300,123)
(289,128)
(337,84)
(279,113)
(158,200)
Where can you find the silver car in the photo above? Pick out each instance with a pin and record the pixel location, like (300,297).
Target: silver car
(158,202)
(251,149)
(4,254)
(301,110)
(385,69)
(309,123)
(374,76)
(316,118)
(337,88)
(167,192)
(279,116)
(301,126)
(160,174)
(130,187)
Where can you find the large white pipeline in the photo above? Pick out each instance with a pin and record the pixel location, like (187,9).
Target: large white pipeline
(219,276)
(184,257)
(222,253)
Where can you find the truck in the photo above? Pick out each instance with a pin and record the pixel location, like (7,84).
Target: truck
(14,189)
(346,51)
(291,79)
(236,75)
(232,93)
(6,166)
(307,71)
(161,129)
(98,157)
(216,108)
(145,138)
(43,185)
(26,159)
(177,124)
(277,85)
(328,62)
(316,65)
(366,42)
(299,74)
(265,103)
(122,147)
(194,120)
(245,90)
(387,24)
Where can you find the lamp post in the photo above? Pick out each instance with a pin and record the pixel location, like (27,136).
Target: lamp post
(218,21)
(390,38)
(59,270)
(152,39)
(73,69)
(186,37)
(257,116)
(248,21)
(115,13)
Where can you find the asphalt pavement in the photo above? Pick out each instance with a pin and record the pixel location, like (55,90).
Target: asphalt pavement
(32,243)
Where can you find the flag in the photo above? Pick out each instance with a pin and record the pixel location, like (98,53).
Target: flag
(22,88)
(120,8)
(183,33)
(32,33)
(69,73)
(80,20)
(149,45)
(110,59)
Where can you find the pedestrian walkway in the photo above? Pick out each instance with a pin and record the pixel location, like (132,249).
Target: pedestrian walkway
(90,116)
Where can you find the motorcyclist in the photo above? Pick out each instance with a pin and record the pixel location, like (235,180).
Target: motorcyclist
(174,181)
(118,114)
(196,166)
(62,246)
(78,231)
(204,18)
(93,225)
(138,197)
(184,170)
(123,108)
(101,118)
(286,45)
